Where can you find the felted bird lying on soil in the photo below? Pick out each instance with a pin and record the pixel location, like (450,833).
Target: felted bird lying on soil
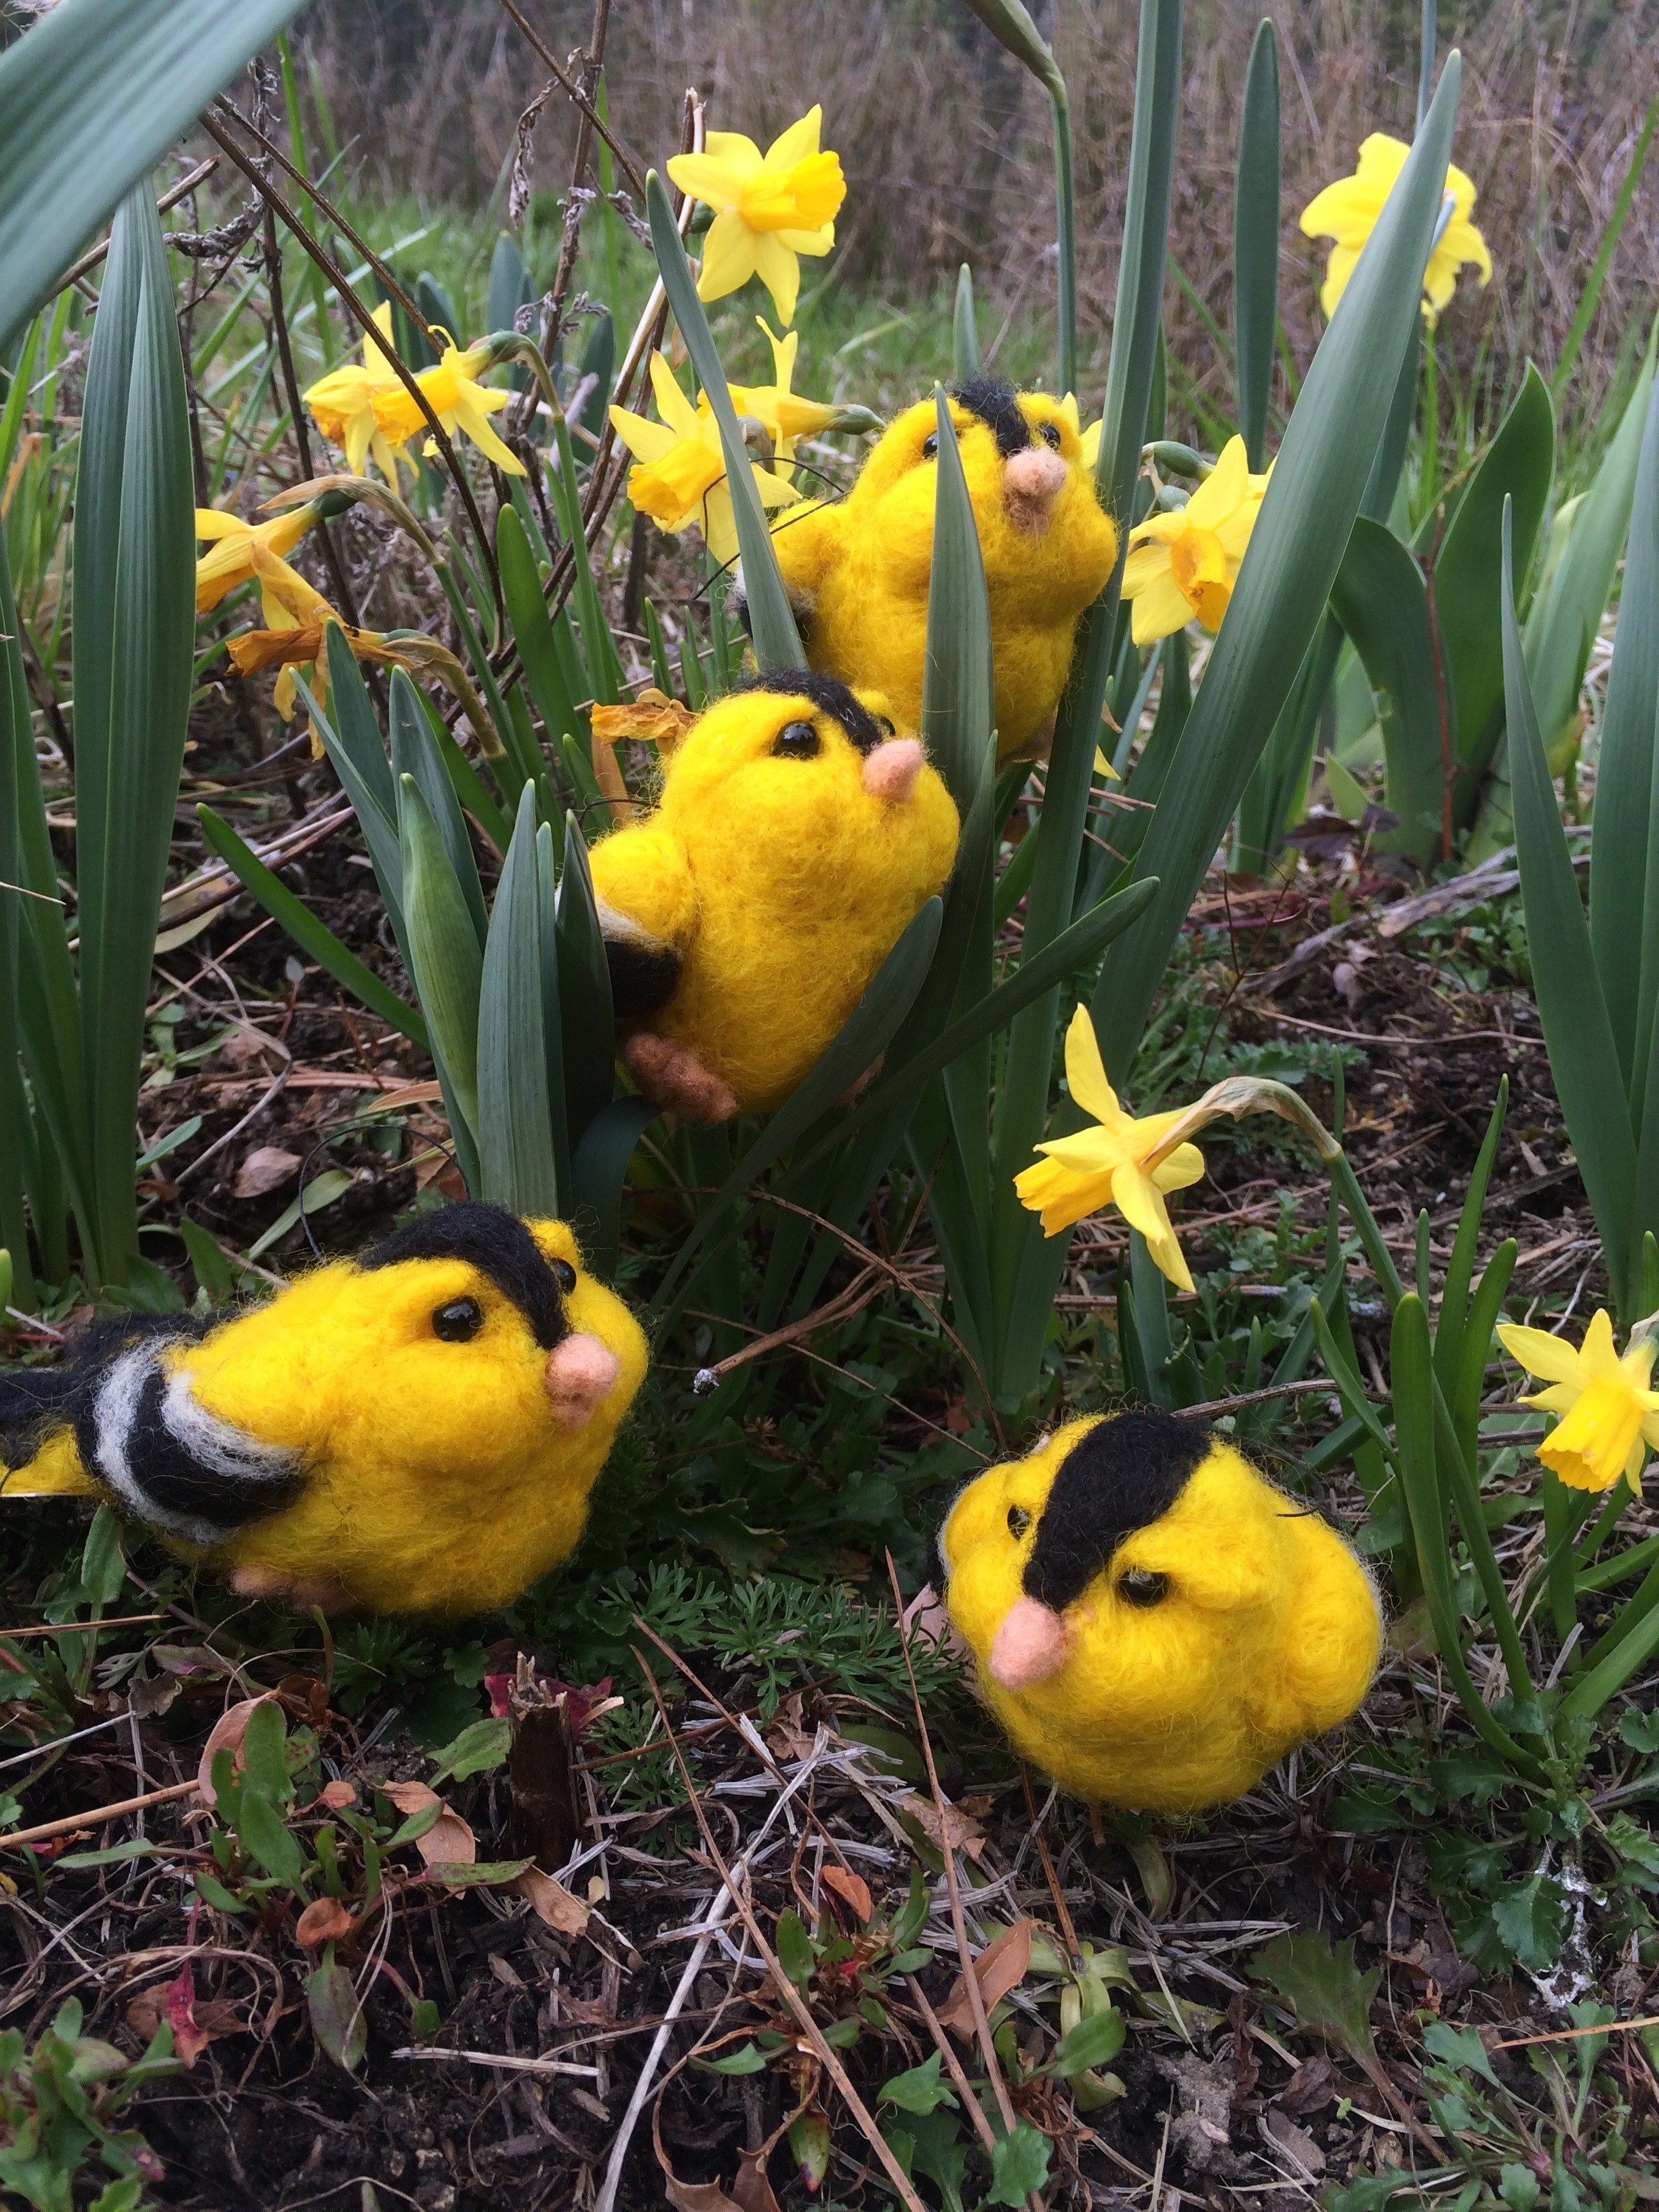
(1156,1625)
(795,839)
(414,1431)
(858,572)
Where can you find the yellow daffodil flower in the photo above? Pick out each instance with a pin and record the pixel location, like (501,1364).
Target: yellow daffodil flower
(681,476)
(238,546)
(1185,564)
(1347,212)
(343,404)
(783,414)
(1121,1162)
(1132,1165)
(1609,1418)
(769,208)
(452,391)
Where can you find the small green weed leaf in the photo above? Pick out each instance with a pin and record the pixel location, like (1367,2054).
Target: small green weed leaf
(425,2018)
(744,2060)
(911,1918)
(134,1848)
(1529,1918)
(920,2090)
(1092,2042)
(1635,1843)
(1519,2187)
(119,2197)
(1640,1730)
(1323,1988)
(843,2034)
(260,1830)
(1460,2047)
(416,1826)
(479,1874)
(337,2018)
(265,1749)
(103,1570)
(808,2146)
(212,1891)
(794,1948)
(479,1749)
(912,1962)
(321,1191)
(1020,2164)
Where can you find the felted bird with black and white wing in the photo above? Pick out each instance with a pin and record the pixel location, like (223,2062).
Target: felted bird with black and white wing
(416,1431)
(1155,1623)
(858,571)
(796,837)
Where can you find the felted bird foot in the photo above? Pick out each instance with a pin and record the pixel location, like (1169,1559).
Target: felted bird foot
(299,1591)
(672,1077)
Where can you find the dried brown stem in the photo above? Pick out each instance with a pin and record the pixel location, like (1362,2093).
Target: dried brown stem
(365,320)
(826,2058)
(970,1979)
(590,113)
(346,598)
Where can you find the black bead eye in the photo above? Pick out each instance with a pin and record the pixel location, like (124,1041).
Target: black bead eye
(458,1321)
(930,445)
(1018,1520)
(796,741)
(1138,1587)
(1049,434)
(565,1275)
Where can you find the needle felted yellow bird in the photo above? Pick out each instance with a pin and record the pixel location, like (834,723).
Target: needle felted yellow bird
(795,839)
(857,572)
(416,1431)
(1155,1625)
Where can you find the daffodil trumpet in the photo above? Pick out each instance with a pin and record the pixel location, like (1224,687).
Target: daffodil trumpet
(1133,1165)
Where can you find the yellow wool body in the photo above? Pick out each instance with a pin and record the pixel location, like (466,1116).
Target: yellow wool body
(860,570)
(782,884)
(1268,1634)
(435,1477)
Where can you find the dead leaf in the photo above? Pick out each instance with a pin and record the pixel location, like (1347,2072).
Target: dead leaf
(1310,2088)
(337,1795)
(689,2196)
(965,1833)
(1000,1967)
(852,1891)
(552,1901)
(653,716)
(1297,2145)
(786,1738)
(226,1735)
(324,1920)
(751,2189)
(194,2024)
(267,1168)
(448,1841)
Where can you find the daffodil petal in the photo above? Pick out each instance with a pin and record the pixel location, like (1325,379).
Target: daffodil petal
(1085,1071)
(1551,1358)
(728,258)
(1157,609)
(1185,1166)
(779,269)
(795,143)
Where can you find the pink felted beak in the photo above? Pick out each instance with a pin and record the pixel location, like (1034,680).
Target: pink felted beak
(581,1371)
(1029,1646)
(1031,482)
(891,770)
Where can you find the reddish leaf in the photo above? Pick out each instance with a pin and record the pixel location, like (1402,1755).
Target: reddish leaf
(553,1902)
(324,1920)
(851,1890)
(1000,1967)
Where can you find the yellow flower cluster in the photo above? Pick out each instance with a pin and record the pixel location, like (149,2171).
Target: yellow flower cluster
(367,408)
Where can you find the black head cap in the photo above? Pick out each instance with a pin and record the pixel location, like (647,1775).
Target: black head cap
(830,694)
(994,403)
(1126,1473)
(495,1242)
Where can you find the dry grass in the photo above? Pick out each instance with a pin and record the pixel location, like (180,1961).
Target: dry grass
(946,138)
